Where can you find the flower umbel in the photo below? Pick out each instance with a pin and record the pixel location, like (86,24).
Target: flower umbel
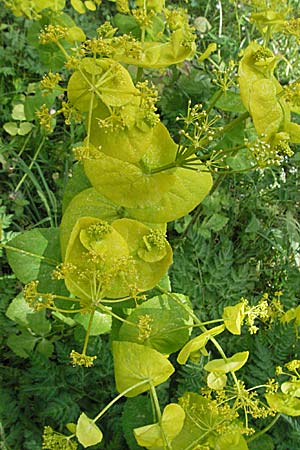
(57,441)
(80,359)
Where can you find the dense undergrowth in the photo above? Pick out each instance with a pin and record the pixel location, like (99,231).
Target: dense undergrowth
(242,241)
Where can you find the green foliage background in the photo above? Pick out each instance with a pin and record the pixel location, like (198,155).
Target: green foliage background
(242,241)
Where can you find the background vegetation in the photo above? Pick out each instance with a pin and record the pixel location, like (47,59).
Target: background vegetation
(242,241)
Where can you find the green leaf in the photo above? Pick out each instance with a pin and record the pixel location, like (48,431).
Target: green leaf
(34,102)
(38,323)
(18,310)
(198,343)
(233,317)
(231,101)
(76,184)
(230,365)
(284,404)
(22,344)
(11,128)
(241,161)
(127,24)
(216,222)
(25,128)
(87,432)
(163,316)
(45,347)
(135,363)
(18,112)
(137,412)
(33,255)
(101,322)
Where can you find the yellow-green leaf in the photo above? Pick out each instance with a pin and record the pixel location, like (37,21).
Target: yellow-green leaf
(291,388)
(135,363)
(233,317)
(284,404)
(198,343)
(216,380)
(229,365)
(172,420)
(87,432)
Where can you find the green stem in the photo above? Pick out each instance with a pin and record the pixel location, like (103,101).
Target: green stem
(214,100)
(264,430)
(24,145)
(31,164)
(66,311)
(34,255)
(88,332)
(109,311)
(139,74)
(131,388)
(202,327)
(159,415)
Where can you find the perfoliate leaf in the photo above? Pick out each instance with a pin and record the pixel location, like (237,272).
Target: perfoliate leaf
(136,363)
(149,436)
(158,320)
(202,424)
(266,111)
(75,34)
(132,185)
(101,322)
(284,403)
(232,440)
(117,89)
(198,343)
(230,365)
(153,436)
(172,420)
(78,5)
(128,144)
(87,432)
(119,248)
(233,317)
(216,380)
(291,388)
(157,55)
(90,5)
(188,190)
